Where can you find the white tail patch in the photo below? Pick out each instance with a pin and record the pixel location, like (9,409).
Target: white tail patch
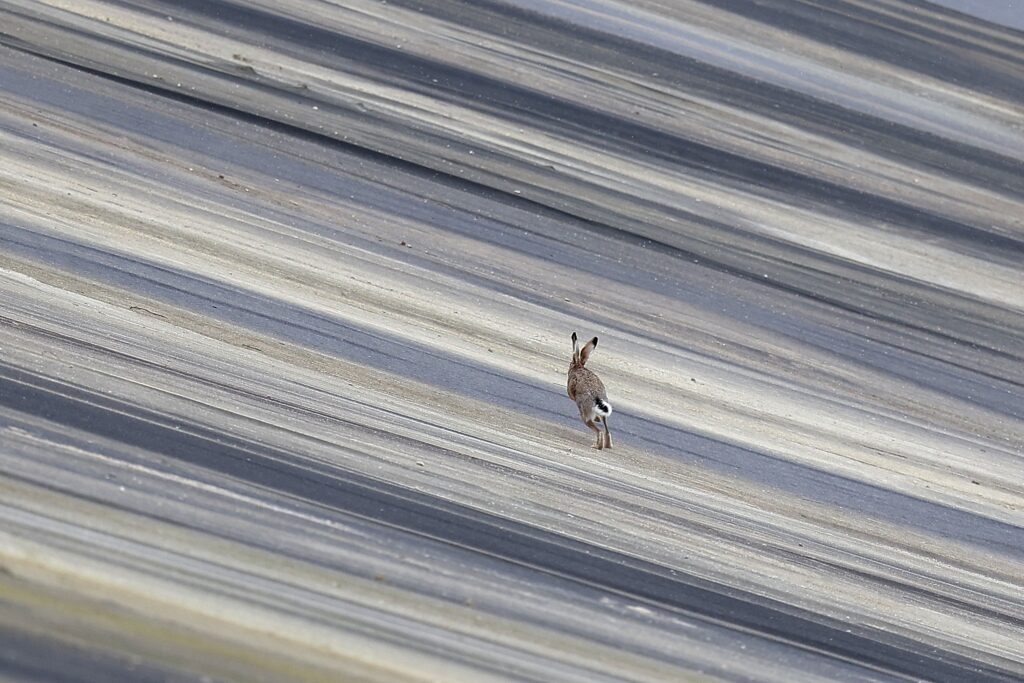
(603,407)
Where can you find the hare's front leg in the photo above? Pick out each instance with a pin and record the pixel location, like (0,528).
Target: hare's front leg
(600,435)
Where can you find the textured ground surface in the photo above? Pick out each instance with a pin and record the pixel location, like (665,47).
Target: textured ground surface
(286,291)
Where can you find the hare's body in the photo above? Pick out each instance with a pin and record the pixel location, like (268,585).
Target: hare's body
(586,389)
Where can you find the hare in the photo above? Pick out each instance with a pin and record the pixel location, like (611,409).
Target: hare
(586,389)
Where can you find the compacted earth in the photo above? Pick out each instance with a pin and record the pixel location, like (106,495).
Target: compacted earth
(286,297)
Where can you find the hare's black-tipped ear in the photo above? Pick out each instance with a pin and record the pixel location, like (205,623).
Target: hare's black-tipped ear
(575,347)
(585,353)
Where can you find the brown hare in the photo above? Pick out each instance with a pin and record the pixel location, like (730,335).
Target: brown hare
(586,389)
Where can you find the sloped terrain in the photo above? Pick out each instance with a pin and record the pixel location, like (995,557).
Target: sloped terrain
(286,291)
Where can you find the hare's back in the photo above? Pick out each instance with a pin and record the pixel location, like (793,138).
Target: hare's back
(585,384)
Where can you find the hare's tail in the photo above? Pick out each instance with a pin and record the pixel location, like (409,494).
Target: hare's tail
(604,409)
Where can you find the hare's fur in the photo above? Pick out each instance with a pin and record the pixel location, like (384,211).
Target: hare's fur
(586,389)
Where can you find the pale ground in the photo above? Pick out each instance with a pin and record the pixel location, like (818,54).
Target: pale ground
(284,322)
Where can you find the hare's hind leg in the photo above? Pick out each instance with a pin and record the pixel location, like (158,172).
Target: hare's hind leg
(600,435)
(607,433)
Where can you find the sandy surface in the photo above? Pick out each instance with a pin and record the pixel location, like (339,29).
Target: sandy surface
(286,291)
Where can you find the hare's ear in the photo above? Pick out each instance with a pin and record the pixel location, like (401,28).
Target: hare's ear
(585,353)
(575,347)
